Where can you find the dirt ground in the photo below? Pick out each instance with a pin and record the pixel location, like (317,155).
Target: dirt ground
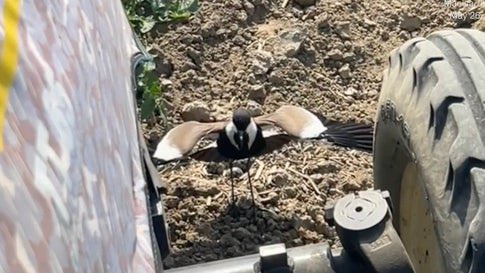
(326,56)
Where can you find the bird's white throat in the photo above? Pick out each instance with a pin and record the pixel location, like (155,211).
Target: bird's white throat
(251,130)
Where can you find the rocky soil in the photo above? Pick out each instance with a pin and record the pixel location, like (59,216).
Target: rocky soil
(323,55)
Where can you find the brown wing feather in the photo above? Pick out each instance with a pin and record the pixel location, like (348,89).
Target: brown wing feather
(287,117)
(184,137)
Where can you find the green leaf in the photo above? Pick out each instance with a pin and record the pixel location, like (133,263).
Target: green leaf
(147,107)
(154,89)
(148,24)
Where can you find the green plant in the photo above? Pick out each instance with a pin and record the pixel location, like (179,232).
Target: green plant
(151,92)
(182,9)
(145,14)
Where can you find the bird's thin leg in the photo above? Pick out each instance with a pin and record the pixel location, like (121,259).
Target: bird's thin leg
(233,210)
(232,185)
(251,186)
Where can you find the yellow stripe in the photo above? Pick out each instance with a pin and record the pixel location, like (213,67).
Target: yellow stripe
(9,56)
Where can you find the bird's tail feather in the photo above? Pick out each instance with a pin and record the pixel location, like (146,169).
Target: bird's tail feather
(351,135)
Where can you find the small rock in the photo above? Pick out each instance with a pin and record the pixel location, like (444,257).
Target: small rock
(154,136)
(276,78)
(241,233)
(236,172)
(165,67)
(348,44)
(171,201)
(323,22)
(166,84)
(263,61)
(252,79)
(326,167)
(305,222)
(343,29)
(315,212)
(233,251)
(305,3)
(404,35)
(188,65)
(272,198)
(239,40)
(195,56)
(317,178)
(298,13)
(207,191)
(272,225)
(254,108)
(241,16)
(291,192)
(410,23)
(310,13)
(249,246)
(197,111)
(220,32)
(350,92)
(335,55)
(227,240)
(480,24)
(345,72)
(257,93)
(348,57)
(352,185)
(215,168)
(249,7)
(369,23)
(291,41)
(322,227)
(190,38)
(207,30)
(358,49)
(280,179)
(233,28)
(385,35)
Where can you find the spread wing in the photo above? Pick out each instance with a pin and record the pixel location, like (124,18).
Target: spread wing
(301,123)
(180,140)
(294,120)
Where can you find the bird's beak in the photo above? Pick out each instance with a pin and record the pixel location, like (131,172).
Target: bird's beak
(240,139)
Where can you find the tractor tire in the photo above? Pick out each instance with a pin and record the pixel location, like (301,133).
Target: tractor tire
(429,150)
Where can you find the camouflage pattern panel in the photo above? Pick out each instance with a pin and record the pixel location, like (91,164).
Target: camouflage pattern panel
(71,185)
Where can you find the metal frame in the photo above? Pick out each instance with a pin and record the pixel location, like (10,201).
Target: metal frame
(364,226)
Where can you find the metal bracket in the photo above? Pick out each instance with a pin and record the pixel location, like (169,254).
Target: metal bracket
(274,259)
(363,222)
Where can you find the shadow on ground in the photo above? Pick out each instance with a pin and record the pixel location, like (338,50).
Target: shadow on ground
(227,236)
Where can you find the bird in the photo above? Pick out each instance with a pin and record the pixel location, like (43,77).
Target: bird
(246,137)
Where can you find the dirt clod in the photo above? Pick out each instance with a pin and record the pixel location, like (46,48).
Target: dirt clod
(291,41)
(262,62)
(254,108)
(305,3)
(410,23)
(197,111)
(257,93)
(345,72)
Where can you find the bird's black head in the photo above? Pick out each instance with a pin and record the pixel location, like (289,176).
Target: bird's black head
(241,119)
